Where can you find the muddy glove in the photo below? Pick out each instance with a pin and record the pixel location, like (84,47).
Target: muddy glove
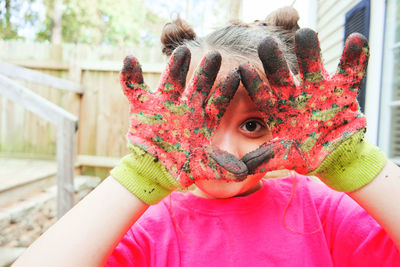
(316,125)
(168,124)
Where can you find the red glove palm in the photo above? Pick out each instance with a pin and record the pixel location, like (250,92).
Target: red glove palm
(309,120)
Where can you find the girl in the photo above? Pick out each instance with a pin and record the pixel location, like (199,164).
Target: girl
(202,126)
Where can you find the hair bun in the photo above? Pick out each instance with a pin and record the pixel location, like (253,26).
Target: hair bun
(174,34)
(285,17)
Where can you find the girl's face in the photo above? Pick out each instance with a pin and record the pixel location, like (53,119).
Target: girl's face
(241,130)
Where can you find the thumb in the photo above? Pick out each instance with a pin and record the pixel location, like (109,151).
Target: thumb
(275,155)
(213,163)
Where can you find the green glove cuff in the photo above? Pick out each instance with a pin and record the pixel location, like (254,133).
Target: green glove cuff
(351,165)
(144,176)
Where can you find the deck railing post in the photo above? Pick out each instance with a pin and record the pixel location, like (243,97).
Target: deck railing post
(65,165)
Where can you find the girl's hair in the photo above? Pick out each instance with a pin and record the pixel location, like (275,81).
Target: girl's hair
(175,33)
(238,40)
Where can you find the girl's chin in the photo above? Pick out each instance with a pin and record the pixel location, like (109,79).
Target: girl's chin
(226,189)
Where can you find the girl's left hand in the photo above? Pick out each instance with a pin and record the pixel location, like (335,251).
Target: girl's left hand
(317,126)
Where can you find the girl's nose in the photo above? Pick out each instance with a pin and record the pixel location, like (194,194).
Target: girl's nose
(223,140)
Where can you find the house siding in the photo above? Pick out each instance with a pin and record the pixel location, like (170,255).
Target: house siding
(330,28)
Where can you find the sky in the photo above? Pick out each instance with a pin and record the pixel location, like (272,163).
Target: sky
(256,9)
(29,31)
(203,15)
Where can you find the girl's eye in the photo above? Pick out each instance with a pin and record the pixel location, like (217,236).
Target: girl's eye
(252,126)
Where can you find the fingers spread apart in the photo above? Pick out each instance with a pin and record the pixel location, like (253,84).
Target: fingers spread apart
(131,74)
(222,95)
(258,90)
(354,60)
(204,77)
(309,55)
(173,78)
(276,68)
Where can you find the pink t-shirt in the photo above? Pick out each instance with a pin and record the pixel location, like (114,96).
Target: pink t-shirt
(320,227)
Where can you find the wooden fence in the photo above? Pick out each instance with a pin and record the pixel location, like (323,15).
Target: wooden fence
(102,109)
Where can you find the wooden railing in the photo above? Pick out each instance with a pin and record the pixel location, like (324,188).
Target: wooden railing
(66,123)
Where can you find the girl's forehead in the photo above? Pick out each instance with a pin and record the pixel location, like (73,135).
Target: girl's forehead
(228,63)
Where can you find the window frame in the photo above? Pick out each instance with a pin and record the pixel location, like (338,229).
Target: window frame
(389,48)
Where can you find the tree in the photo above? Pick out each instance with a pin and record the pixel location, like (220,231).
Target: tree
(56,25)
(7,29)
(107,21)
(76,21)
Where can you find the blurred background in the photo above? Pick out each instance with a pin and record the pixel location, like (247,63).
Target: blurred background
(63,116)
(127,21)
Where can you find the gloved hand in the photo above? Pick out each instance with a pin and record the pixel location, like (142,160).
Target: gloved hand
(316,125)
(168,124)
